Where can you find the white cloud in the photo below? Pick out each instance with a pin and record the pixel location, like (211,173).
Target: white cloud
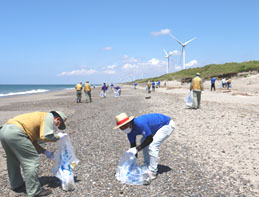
(78,72)
(129,66)
(154,62)
(109,72)
(191,63)
(107,48)
(112,66)
(128,59)
(161,32)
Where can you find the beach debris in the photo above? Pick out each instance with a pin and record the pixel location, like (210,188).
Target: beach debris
(148,97)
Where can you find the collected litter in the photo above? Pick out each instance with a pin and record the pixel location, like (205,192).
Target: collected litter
(189,99)
(65,161)
(129,172)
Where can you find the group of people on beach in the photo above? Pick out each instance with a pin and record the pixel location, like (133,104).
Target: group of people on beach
(152,86)
(105,88)
(87,90)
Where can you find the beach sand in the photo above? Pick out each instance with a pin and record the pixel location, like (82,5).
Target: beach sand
(212,152)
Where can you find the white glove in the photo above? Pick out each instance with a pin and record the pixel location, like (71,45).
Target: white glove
(202,92)
(49,154)
(61,135)
(133,150)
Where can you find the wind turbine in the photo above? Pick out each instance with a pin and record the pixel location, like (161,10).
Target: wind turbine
(168,57)
(183,47)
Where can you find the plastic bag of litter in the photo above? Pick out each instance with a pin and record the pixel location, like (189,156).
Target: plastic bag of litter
(189,99)
(65,161)
(129,172)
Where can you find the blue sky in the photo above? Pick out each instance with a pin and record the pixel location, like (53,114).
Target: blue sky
(61,42)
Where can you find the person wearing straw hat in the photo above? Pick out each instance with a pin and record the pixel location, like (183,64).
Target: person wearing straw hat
(154,128)
(197,88)
(19,137)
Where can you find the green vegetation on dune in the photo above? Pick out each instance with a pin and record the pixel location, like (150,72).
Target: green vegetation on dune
(208,71)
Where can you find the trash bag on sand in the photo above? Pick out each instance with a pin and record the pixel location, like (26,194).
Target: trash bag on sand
(129,172)
(65,161)
(189,99)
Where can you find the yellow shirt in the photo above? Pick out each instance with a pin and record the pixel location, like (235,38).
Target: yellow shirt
(87,87)
(197,84)
(37,125)
(78,87)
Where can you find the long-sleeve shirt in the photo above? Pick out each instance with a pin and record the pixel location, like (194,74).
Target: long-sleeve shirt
(37,125)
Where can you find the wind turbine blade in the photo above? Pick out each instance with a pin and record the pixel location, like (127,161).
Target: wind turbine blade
(165,52)
(189,41)
(175,39)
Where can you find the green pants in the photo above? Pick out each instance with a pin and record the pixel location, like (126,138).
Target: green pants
(20,152)
(196,99)
(78,96)
(88,96)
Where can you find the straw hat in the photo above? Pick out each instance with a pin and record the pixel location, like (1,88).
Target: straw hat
(122,119)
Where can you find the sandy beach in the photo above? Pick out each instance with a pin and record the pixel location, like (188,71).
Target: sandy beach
(212,152)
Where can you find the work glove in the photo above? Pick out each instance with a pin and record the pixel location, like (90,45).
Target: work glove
(133,151)
(49,154)
(61,135)
(202,92)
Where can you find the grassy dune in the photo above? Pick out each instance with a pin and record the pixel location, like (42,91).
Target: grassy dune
(217,70)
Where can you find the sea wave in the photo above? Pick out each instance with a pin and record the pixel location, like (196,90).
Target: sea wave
(25,92)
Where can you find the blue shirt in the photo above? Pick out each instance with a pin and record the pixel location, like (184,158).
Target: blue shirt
(213,80)
(147,125)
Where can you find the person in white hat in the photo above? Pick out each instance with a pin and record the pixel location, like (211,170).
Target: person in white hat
(19,137)
(154,128)
(197,88)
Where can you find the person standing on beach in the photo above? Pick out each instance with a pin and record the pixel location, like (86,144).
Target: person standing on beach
(153,85)
(104,89)
(197,87)
(78,88)
(213,80)
(19,137)
(87,90)
(154,128)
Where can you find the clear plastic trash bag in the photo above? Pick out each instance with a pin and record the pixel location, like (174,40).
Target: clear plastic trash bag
(65,161)
(189,99)
(129,172)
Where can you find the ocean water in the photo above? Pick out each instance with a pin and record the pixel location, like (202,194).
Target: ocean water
(11,90)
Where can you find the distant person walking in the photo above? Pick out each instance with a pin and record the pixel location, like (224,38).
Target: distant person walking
(78,88)
(229,83)
(112,86)
(87,90)
(117,91)
(197,87)
(104,89)
(148,87)
(19,137)
(153,86)
(135,85)
(213,80)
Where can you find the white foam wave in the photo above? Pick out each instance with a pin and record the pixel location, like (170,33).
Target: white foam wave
(25,92)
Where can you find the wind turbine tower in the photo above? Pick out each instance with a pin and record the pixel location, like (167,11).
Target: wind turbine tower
(183,47)
(167,55)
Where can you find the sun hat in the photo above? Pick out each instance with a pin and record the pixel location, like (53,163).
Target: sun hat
(63,117)
(122,119)
(197,74)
